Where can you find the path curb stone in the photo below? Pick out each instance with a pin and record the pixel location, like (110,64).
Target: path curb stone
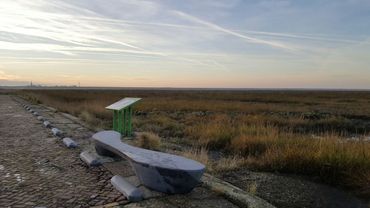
(90,159)
(234,194)
(40,118)
(56,132)
(69,143)
(47,124)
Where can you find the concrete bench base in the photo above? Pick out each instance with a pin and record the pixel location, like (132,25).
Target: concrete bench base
(132,193)
(156,170)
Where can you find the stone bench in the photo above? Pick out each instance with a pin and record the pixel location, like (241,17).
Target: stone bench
(159,171)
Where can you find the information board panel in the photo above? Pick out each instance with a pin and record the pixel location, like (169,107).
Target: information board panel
(123,103)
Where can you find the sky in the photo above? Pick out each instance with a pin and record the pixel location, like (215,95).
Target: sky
(186,43)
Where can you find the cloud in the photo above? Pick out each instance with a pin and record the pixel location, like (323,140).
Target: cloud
(30,19)
(320,38)
(230,32)
(5,76)
(56,27)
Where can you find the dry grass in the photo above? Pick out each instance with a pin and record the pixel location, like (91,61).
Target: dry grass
(149,140)
(215,166)
(266,147)
(252,188)
(228,163)
(288,131)
(198,154)
(335,161)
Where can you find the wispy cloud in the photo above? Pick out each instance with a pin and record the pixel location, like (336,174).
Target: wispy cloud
(20,18)
(233,33)
(5,76)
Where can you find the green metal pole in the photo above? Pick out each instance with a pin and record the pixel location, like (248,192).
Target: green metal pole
(120,121)
(124,122)
(129,121)
(115,120)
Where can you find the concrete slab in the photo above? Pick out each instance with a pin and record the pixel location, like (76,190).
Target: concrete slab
(132,193)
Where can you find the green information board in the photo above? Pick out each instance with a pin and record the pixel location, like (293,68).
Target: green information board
(122,115)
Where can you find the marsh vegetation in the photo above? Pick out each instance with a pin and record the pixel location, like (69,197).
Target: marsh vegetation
(324,134)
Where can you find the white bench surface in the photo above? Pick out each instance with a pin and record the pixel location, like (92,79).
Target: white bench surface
(112,141)
(123,103)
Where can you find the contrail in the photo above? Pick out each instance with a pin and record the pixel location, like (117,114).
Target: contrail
(230,32)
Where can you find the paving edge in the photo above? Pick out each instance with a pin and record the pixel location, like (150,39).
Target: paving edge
(233,193)
(79,121)
(65,115)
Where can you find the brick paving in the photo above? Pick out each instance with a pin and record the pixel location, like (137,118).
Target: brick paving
(36,170)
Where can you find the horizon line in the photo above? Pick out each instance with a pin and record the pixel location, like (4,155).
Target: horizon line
(187,88)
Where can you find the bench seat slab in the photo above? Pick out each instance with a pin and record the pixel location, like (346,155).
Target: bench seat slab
(156,170)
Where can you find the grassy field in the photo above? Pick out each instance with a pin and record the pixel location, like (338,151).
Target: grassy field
(313,133)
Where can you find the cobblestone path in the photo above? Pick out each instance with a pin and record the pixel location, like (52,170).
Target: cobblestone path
(36,170)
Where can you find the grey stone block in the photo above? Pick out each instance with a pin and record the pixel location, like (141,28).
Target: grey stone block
(132,193)
(69,142)
(40,118)
(56,132)
(134,180)
(89,159)
(47,124)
